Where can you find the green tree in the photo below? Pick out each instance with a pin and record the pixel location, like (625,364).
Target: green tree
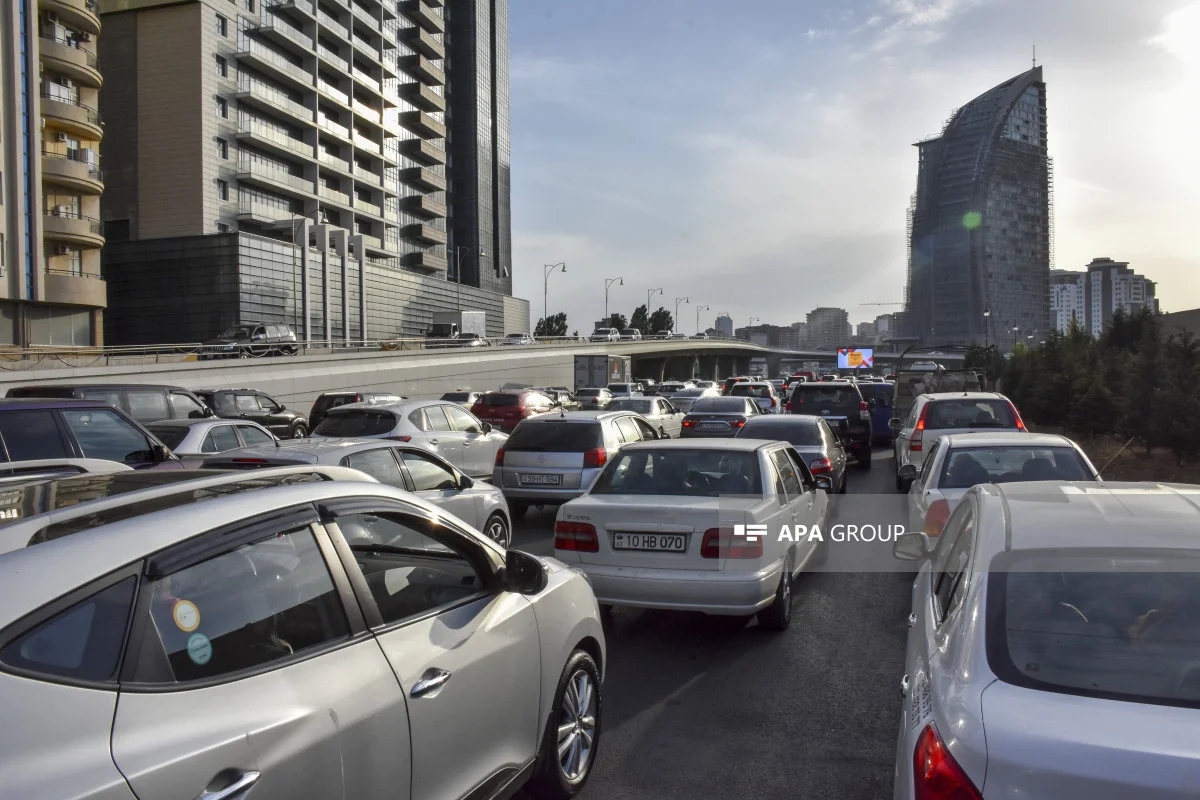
(1093,409)
(1179,404)
(661,320)
(556,325)
(1138,401)
(640,320)
(618,321)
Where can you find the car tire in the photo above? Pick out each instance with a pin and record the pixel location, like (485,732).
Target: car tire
(662,433)
(244,352)
(299,431)
(517,510)
(778,615)
(550,780)
(864,457)
(496,528)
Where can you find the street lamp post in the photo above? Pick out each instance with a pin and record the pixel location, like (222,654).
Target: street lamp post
(678,300)
(607,283)
(698,310)
(987,312)
(458,251)
(1016,329)
(749,333)
(546,294)
(649,294)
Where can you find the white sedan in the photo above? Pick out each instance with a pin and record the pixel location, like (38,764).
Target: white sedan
(957,462)
(670,525)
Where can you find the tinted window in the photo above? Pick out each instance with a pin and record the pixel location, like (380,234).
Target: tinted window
(750,390)
(944,414)
(619,388)
(500,400)
(102,433)
(252,435)
(104,396)
(462,421)
(629,431)
(356,422)
(221,402)
(268,404)
(635,405)
(456,397)
(951,577)
(184,406)
(259,603)
(719,405)
(83,642)
(587,393)
(246,402)
(803,434)
(380,464)
(435,419)
(817,396)
(428,474)
(220,439)
(148,406)
(555,437)
(170,435)
(789,474)
(966,467)
(32,435)
(699,473)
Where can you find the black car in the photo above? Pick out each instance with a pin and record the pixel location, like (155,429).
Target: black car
(811,437)
(144,402)
(842,406)
(257,407)
(251,340)
(37,429)
(328,400)
(717,416)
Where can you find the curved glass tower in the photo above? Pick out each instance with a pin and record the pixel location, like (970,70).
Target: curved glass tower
(979,223)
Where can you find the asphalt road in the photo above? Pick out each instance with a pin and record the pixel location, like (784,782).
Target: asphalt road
(696,707)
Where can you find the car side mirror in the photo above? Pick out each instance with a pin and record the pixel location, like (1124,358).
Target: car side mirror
(911,546)
(159,453)
(907,473)
(465,482)
(200,413)
(894,423)
(824,482)
(282,407)
(523,573)
(486,426)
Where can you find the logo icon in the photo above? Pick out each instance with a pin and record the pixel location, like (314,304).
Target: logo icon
(750,533)
(541,459)
(825,412)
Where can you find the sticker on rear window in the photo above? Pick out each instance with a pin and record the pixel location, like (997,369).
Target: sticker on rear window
(199,648)
(186,615)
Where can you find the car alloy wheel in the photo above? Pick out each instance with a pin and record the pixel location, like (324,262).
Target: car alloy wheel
(577,726)
(299,431)
(496,529)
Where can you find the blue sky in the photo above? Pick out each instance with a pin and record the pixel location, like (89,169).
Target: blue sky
(756,156)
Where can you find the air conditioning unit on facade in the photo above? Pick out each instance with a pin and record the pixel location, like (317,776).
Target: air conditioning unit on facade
(62,250)
(60,136)
(85,37)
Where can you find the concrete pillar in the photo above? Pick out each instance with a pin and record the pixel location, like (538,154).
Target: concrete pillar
(773,364)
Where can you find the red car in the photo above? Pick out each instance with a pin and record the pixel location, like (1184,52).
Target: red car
(504,409)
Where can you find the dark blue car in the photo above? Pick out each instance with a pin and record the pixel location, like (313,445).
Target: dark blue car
(46,429)
(879,400)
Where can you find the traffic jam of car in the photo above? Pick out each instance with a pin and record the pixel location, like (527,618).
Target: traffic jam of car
(208,594)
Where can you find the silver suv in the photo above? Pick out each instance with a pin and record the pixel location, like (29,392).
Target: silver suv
(554,458)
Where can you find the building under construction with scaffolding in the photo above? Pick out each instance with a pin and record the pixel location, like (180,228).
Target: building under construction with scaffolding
(979,224)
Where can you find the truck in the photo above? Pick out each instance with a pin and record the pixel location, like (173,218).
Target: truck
(593,371)
(917,380)
(448,325)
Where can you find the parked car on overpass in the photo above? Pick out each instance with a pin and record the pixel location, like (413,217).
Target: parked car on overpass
(631,335)
(605,335)
(518,338)
(251,340)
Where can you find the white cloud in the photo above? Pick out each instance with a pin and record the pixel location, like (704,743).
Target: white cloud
(1181,35)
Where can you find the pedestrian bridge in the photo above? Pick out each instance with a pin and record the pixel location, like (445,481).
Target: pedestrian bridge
(412,370)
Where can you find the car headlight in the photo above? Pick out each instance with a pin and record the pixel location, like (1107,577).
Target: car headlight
(228,347)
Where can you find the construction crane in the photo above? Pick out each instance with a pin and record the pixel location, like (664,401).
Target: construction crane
(881,304)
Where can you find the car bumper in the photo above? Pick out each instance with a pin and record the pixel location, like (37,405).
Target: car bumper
(710,592)
(689,433)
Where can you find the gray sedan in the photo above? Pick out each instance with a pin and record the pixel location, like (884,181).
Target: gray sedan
(658,411)
(194,439)
(810,436)
(405,466)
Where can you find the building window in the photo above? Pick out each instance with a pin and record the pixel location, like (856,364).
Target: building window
(75,262)
(222,108)
(222,67)
(222,149)
(222,227)
(249,5)
(222,26)
(223,190)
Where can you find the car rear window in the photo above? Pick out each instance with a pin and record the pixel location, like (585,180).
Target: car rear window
(967,466)
(170,435)
(588,393)
(500,400)
(696,473)
(967,413)
(618,387)
(1120,624)
(555,437)
(719,405)
(634,405)
(456,397)
(800,433)
(41,391)
(822,395)
(750,390)
(356,422)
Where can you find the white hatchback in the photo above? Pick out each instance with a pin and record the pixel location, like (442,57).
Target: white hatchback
(670,525)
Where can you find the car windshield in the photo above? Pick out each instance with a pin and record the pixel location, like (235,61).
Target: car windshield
(500,400)
(967,413)
(1117,624)
(554,436)
(719,405)
(750,390)
(823,396)
(797,432)
(966,467)
(170,435)
(237,332)
(633,404)
(601,332)
(456,397)
(588,393)
(356,422)
(515,336)
(696,473)
(618,387)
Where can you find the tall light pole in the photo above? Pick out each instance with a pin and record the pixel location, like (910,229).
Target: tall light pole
(678,300)
(698,310)
(650,294)
(458,251)
(546,293)
(750,333)
(607,283)
(987,312)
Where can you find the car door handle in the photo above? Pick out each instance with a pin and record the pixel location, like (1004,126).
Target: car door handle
(904,686)
(912,619)
(427,685)
(233,791)
(433,441)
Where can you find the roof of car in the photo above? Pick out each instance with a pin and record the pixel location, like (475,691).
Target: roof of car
(1063,514)
(1007,438)
(401,407)
(578,416)
(962,396)
(231,389)
(300,448)
(782,420)
(51,402)
(189,423)
(738,443)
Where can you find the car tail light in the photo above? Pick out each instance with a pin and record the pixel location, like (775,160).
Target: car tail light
(499,456)
(918,433)
(936,775)
(400,438)
(787,406)
(689,423)
(862,405)
(722,543)
(596,457)
(936,516)
(577,536)
(820,465)
(773,402)
(1017,417)
(737,423)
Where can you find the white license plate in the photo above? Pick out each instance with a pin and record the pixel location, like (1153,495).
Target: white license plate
(541,480)
(713,426)
(661,542)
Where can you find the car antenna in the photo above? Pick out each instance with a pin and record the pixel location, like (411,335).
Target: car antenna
(1107,464)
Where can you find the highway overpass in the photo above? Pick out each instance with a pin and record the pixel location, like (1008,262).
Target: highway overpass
(297,380)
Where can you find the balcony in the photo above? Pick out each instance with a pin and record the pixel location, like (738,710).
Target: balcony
(366,112)
(367,176)
(365,78)
(330,90)
(270,177)
(61,224)
(423,42)
(74,170)
(250,210)
(364,143)
(82,15)
(70,115)
(302,10)
(259,96)
(424,260)
(331,58)
(337,129)
(283,34)
(365,16)
(422,124)
(333,26)
(424,233)
(334,196)
(424,15)
(422,206)
(421,67)
(266,59)
(424,179)
(367,207)
(366,48)
(422,150)
(75,289)
(333,162)
(273,140)
(373,243)
(67,57)
(423,97)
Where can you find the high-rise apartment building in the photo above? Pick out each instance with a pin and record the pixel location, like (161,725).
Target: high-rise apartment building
(51,292)
(724,326)
(1092,297)
(828,328)
(979,223)
(329,164)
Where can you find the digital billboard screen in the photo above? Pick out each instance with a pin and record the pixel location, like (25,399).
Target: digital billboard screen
(851,358)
